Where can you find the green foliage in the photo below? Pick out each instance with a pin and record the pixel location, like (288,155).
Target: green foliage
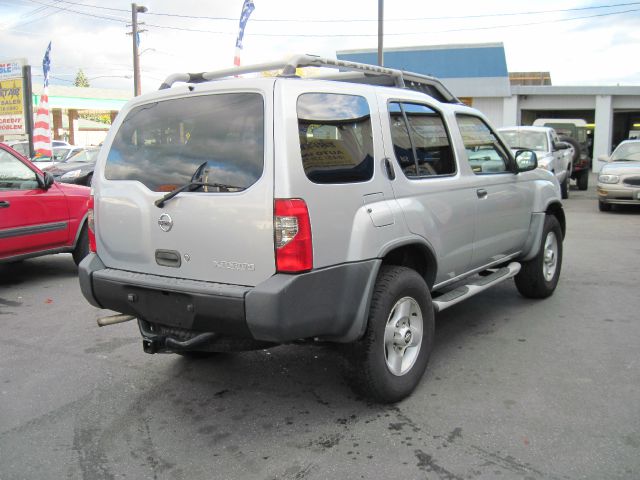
(81,79)
(96,117)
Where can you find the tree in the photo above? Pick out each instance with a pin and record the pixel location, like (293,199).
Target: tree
(81,79)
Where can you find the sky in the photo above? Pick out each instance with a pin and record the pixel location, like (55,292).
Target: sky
(578,42)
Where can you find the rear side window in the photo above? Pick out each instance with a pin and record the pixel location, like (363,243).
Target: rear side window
(336,141)
(420,141)
(213,139)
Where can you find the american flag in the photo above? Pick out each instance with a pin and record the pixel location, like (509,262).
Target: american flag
(42,127)
(247,8)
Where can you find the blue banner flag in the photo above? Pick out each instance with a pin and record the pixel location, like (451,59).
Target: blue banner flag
(247,8)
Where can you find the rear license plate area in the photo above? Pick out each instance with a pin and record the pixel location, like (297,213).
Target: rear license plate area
(168,308)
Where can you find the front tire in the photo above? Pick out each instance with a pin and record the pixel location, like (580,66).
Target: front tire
(539,277)
(604,207)
(387,364)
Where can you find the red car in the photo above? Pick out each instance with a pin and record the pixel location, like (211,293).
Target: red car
(37,215)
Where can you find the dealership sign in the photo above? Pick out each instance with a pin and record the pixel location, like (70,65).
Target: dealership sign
(11,98)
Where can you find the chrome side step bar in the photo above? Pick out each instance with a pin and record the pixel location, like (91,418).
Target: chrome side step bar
(465,291)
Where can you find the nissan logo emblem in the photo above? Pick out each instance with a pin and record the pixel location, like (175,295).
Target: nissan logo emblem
(165,222)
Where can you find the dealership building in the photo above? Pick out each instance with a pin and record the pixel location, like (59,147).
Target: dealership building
(478,75)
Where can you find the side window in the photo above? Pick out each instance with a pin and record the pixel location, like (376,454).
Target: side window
(336,139)
(15,175)
(484,152)
(420,141)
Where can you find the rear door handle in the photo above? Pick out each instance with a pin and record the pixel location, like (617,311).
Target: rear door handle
(4,204)
(482,193)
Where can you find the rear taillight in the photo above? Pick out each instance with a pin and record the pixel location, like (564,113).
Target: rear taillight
(90,224)
(292,228)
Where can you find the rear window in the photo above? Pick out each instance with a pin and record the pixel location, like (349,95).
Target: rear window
(335,137)
(420,141)
(213,138)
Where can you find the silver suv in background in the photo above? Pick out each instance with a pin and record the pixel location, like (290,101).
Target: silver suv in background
(553,155)
(237,213)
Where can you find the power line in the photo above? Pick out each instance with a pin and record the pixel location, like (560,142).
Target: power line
(462,17)
(25,20)
(102,17)
(324,35)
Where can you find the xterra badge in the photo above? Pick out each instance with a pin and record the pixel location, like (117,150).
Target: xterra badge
(165,222)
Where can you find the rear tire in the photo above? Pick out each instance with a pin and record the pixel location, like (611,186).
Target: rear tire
(583,180)
(539,277)
(387,364)
(82,247)
(604,207)
(575,145)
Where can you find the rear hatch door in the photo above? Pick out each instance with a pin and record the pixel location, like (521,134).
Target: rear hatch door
(221,232)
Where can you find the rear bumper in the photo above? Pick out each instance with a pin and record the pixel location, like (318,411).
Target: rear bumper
(331,303)
(580,166)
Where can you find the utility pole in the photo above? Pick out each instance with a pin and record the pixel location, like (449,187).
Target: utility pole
(28,106)
(135,9)
(380,29)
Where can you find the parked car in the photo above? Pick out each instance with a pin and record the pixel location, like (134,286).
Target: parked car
(553,154)
(574,131)
(22,147)
(37,215)
(619,179)
(76,169)
(247,212)
(60,154)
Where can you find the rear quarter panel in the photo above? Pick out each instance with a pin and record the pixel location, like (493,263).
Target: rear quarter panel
(350,222)
(77,197)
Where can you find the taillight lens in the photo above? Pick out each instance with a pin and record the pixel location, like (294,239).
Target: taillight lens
(292,229)
(90,224)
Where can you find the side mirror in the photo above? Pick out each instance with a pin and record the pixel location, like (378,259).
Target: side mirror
(603,158)
(526,160)
(45,181)
(560,146)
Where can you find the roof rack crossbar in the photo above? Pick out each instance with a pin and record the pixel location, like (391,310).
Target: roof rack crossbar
(400,78)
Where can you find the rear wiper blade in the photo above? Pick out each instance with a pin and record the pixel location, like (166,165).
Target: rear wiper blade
(161,201)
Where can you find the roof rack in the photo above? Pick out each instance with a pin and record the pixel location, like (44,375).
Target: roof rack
(350,72)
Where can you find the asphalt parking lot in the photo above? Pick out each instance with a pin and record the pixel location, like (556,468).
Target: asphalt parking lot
(516,388)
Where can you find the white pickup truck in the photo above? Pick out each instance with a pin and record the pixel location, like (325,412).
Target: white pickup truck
(553,155)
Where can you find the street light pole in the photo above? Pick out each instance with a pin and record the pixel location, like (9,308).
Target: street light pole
(135,9)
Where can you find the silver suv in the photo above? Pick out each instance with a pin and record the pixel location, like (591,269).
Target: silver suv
(238,213)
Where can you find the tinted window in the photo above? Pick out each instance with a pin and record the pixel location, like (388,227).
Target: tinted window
(15,175)
(335,138)
(484,152)
(213,138)
(420,141)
